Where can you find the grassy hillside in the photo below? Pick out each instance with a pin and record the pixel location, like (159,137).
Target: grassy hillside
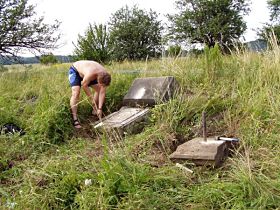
(55,167)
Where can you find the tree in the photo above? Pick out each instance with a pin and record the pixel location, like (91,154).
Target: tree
(274,7)
(48,59)
(94,45)
(273,27)
(135,34)
(20,30)
(174,50)
(208,21)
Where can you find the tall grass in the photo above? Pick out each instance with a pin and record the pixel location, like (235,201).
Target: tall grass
(47,168)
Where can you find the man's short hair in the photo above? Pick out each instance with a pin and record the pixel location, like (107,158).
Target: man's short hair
(104,78)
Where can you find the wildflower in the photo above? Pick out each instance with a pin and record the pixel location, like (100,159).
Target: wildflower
(11,205)
(88,182)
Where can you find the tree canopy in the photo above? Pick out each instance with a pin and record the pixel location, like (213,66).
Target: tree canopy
(48,59)
(204,21)
(135,34)
(271,29)
(94,45)
(21,30)
(274,7)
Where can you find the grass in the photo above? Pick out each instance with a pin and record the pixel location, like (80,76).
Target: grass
(48,167)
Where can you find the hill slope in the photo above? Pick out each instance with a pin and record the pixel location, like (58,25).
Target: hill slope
(54,167)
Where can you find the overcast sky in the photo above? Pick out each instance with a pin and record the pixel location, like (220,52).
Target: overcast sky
(76,15)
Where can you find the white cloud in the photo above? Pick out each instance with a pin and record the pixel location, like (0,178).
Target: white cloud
(258,16)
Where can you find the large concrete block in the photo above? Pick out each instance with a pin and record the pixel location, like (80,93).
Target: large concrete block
(210,152)
(150,91)
(128,120)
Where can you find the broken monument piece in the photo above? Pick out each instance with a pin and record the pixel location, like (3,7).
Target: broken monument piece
(150,91)
(202,151)
(210,152)
(144,93)
(127,120)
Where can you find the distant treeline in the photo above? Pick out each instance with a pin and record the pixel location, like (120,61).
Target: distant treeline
(32,60)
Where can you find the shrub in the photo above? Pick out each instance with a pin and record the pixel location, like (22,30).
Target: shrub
(53,122)
(174,50)
(48,59)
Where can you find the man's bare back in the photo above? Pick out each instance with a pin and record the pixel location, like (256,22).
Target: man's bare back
(90,69)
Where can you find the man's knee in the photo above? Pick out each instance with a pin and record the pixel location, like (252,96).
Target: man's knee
(75,93)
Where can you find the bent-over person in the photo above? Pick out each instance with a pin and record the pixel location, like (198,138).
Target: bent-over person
(88,74)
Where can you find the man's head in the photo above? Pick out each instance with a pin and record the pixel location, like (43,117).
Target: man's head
(104,78)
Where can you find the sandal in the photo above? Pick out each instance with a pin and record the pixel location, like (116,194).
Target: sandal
(76,124)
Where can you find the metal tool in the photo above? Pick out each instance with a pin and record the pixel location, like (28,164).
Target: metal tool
(227,139)
(204,126)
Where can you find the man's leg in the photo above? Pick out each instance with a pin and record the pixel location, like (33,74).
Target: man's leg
(73,103)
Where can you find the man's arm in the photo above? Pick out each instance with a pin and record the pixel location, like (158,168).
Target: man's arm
(85,86)
(101,99)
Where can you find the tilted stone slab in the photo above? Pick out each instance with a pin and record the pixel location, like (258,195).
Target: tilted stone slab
(144,92)
(150,91)
(128,120)
(210,152)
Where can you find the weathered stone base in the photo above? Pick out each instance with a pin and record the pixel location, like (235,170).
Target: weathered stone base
(210,152)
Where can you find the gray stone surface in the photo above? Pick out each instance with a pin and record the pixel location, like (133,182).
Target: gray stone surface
(210,152)
(127,120)
(150,91)
(144,92)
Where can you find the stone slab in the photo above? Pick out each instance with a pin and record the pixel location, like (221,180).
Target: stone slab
(128,120)
(150,91)
(210,152)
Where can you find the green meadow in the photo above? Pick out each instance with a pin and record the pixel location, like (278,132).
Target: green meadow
(54,166)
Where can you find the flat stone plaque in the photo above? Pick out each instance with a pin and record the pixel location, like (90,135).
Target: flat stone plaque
(210,152)
(150,91)
(127,120)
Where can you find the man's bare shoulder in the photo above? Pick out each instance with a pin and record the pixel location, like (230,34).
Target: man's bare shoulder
(88,68)
(87,63)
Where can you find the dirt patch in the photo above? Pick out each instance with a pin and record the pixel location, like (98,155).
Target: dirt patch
(215,126)
(95,150)
(156,151)
(86,131)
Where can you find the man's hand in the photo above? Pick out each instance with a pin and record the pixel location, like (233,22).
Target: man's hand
(94,111)
(99,113)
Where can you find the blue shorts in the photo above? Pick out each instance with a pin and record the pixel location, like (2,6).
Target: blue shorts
(75,79)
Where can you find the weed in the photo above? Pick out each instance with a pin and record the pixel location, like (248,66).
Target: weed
(48,167)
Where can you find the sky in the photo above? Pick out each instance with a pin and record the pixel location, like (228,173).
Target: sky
(75,16)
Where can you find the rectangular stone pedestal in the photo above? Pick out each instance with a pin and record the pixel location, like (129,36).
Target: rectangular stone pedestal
(127,120)
(210,152)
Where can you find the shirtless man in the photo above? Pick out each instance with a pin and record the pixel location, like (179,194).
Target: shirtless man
(85,74)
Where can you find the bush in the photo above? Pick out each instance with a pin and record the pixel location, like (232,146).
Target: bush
(48,59)
(66,189)
(174,50)
(94,45)
(53,122)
